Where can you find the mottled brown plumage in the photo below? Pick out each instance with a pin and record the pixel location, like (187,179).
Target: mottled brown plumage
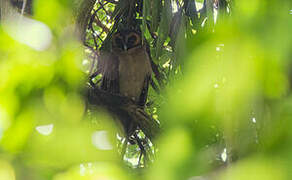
(126,69)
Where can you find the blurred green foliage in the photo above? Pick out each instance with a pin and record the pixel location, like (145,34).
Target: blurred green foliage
(225,110)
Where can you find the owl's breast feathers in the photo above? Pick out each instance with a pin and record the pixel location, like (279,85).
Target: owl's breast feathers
(134,74)
(127,73)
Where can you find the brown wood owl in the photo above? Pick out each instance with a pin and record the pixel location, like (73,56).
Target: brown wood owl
(126,70)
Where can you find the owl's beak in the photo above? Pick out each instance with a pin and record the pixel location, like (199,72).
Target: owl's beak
(125,47)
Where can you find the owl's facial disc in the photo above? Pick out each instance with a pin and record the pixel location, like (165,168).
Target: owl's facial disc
(118,42)
(133,40)
(126,40)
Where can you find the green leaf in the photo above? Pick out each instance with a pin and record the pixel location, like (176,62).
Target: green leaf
(156,6)
(210,14)
(146,12)
(164,26)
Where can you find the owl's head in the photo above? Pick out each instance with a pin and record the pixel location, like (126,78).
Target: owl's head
(126,39)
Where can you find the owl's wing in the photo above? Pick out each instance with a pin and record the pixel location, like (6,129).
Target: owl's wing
(109,68)
(144,93)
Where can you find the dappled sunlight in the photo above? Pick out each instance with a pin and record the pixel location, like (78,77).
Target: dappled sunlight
(34,34)
(100,140)
(254,120)
(224,155)
(45,129)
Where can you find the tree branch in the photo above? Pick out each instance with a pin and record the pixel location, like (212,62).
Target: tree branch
(126,110)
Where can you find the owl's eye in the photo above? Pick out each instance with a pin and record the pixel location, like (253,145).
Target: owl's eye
(132,40)
(119,43)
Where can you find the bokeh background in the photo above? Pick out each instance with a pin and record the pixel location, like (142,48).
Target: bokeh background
(225,105)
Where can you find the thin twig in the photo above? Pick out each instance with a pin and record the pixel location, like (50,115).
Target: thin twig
(102,6)
(112,1)
(142,149)
(99,23)
(124,148)
(23,7)
(94,38)
(94,14)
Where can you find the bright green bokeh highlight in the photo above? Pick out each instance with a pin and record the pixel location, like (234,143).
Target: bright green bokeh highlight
(256,168)
(6,171)
(229,93)
(93,171)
